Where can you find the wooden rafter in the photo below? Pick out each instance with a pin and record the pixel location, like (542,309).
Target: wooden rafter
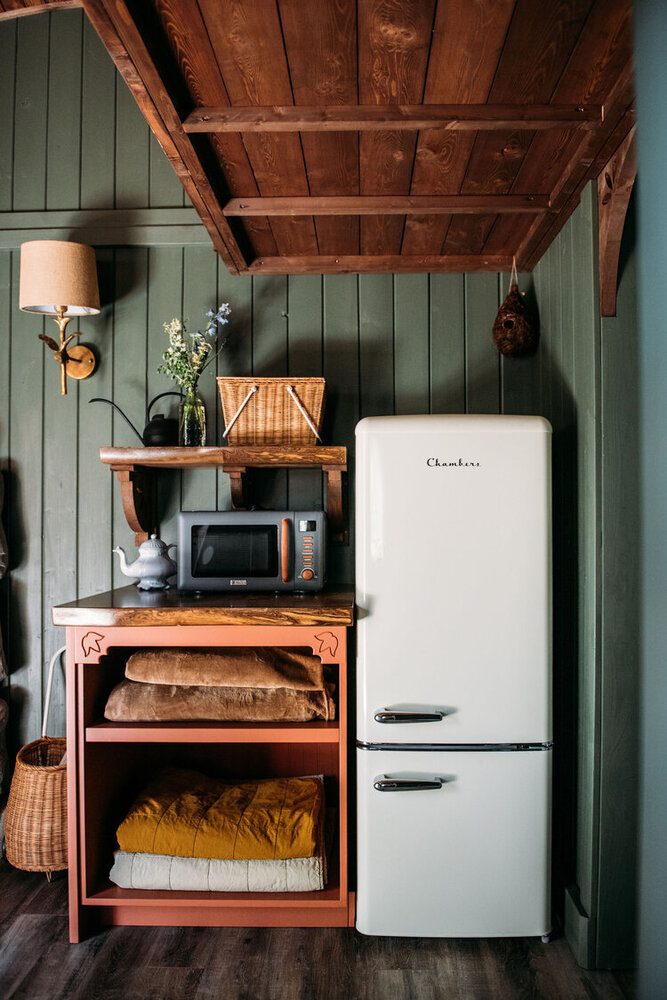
(388,205)
(119,33)
(381,264)
(615,185)
(397,117)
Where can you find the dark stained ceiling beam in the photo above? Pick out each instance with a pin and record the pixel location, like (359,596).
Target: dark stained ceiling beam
(393,117)
(452,204)
(381,264)
(117,29)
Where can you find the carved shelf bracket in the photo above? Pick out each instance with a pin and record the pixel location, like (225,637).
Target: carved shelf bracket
(135,466)
(138,495)
(338,531)
(237,484)
(615,185)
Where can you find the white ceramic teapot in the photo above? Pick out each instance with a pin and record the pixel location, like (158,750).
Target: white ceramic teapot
(153,567)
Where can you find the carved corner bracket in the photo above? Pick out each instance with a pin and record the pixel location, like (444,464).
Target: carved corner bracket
(137,486)
(615,185)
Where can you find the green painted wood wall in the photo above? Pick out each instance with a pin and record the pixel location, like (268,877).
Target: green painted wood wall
(72,139)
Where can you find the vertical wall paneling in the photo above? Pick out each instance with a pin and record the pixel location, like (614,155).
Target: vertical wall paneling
(98,124)
(5,335)
(63,147)
(7,74)
(24,497)
(587,382)
(619,768)
(165,190)
(376,345)
(129,371)
(411,343)
(447,343)
(269,357)
(304,359)
(236,356)
(97,487)
(482,359)
(341,370)
(520,376)
(199,294)
(132,145)
(165,301)
(32,67)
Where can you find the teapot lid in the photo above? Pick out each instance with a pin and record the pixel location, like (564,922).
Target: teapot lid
(153,544)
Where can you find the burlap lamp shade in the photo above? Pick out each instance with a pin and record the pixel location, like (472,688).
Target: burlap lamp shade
(56,273)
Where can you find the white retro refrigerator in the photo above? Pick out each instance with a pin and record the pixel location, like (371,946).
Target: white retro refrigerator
(453,576)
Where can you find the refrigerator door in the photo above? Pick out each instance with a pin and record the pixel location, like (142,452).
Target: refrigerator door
(460,850)
(453,579)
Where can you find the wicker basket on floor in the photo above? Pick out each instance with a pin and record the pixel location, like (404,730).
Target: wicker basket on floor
(36,817)
(269,413)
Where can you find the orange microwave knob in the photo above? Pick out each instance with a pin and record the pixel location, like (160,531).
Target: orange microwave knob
(307,574)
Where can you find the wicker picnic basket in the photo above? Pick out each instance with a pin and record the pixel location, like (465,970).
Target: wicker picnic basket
(36,816)
(272,411)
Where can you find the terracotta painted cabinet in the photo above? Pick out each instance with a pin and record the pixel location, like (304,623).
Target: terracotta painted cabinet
(109,763)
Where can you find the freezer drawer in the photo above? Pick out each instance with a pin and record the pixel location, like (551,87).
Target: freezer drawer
(454,843)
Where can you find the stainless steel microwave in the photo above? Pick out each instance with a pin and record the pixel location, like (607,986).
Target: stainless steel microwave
(251,550)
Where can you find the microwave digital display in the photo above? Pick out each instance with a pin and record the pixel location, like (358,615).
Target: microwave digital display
(221,550)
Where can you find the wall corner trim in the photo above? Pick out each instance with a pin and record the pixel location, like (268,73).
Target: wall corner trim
(580,929)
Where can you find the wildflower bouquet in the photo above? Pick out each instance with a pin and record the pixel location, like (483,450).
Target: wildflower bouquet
(185,364)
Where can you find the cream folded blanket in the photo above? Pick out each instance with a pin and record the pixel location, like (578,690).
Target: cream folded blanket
(160,871)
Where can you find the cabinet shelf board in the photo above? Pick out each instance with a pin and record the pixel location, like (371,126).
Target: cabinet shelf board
(213,732)
(113,895)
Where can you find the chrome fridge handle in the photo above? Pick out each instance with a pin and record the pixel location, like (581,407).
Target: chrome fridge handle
(407,784)
(389,717)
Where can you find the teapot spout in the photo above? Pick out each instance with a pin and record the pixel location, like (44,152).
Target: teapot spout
(124,568)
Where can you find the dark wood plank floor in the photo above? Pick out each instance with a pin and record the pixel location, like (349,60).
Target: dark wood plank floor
(124,963)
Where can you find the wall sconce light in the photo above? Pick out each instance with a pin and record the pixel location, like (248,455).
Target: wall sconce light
(59,279)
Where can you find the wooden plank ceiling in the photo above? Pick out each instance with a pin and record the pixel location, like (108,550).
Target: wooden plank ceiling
(378,135)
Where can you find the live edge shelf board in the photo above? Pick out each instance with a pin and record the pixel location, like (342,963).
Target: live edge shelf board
(133,467)
(106,760)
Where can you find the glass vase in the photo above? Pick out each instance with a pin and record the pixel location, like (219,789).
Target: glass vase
(192,420)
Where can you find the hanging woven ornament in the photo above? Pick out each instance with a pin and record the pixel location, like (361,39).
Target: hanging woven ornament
(514,330)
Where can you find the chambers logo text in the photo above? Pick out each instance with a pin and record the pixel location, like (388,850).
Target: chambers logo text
(434,463)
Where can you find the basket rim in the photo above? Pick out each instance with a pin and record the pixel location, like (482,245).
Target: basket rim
(287,379)
(40,742)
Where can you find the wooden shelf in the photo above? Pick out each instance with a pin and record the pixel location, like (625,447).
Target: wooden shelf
(133,466)
(213,732)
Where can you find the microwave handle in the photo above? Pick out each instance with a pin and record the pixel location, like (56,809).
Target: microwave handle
(284,550)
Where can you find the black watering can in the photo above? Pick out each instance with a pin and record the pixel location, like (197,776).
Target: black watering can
(160,431)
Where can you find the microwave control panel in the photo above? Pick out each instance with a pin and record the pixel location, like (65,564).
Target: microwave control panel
(309,545)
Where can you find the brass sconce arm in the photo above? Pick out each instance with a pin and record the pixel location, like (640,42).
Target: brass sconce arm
(79,362)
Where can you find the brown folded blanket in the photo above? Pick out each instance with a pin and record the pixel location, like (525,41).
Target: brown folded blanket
(133,702)
(243,666)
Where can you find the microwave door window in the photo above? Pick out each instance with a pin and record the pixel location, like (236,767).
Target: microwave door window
(232,551)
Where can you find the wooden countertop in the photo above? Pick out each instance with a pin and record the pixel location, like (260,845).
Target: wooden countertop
(130,606)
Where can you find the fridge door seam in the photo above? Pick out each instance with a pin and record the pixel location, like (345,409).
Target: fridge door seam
(457,747)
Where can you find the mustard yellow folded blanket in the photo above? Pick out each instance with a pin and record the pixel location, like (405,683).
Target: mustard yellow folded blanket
(189,815)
